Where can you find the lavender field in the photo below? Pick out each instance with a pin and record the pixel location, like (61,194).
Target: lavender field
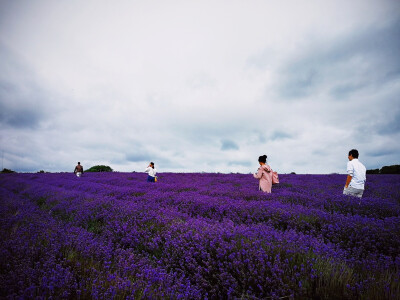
(197,236)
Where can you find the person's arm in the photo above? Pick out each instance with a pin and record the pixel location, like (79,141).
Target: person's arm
(147,170)
(350,172)
(348,181)
(258,175)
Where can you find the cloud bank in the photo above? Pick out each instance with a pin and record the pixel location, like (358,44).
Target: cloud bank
(200,86)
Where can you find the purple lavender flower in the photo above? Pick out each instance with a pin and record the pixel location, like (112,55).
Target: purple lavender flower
(197,236)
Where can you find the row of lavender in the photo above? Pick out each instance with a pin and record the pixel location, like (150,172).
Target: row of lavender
(197,236)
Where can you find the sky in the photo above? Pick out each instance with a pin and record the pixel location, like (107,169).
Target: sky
(199,86)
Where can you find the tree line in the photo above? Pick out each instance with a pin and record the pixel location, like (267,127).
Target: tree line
(394,169)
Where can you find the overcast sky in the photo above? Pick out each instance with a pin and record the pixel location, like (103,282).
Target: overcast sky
(199,85)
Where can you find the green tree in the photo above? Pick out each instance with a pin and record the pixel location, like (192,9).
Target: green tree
(99,168)
(7,171)
(373,171)
(395,169)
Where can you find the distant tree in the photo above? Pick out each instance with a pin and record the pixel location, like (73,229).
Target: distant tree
(373,171)
(7,171)
(293,173)
(394,169)
(99,168)
(41,171)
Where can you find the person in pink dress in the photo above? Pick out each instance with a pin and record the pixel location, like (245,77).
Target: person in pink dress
(264,174)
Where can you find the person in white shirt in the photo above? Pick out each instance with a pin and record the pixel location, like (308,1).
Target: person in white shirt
(151,171)
(356,176)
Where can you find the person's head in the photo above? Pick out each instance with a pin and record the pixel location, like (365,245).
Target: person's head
(79,162)
(262,159)
(353,153)
(151,165)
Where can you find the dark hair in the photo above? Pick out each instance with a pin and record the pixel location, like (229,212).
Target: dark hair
(354,153)
(262,158)
(79,162)
(152,164)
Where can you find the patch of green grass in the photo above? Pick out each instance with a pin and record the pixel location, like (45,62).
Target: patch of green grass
(95,225)
(138,194)
(63,215)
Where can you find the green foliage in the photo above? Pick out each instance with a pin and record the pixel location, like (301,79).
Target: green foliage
(41,202)
(100,168)
(95,225)
(7,171)
(394,169)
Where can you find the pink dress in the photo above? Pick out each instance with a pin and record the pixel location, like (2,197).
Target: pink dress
(264,173)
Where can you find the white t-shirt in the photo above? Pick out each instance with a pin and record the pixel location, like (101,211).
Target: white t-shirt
(152,172)
(358,173)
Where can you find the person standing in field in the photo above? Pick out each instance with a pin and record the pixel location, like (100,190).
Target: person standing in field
(78,170)
(264,174)
(356,176)
(151,171)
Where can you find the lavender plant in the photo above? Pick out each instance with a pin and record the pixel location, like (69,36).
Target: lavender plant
(197,236)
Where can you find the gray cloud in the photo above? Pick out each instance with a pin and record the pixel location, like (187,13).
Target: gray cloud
(158,157)
(239,163)
(391,124)
(20,117)
(381,152)
(381,120)
(301,81)
(22,100)
(135,157)
(343,91)
(229,145)
(194,91)
(363,59)
(279,135)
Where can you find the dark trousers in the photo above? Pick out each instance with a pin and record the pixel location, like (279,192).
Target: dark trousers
(151,179)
